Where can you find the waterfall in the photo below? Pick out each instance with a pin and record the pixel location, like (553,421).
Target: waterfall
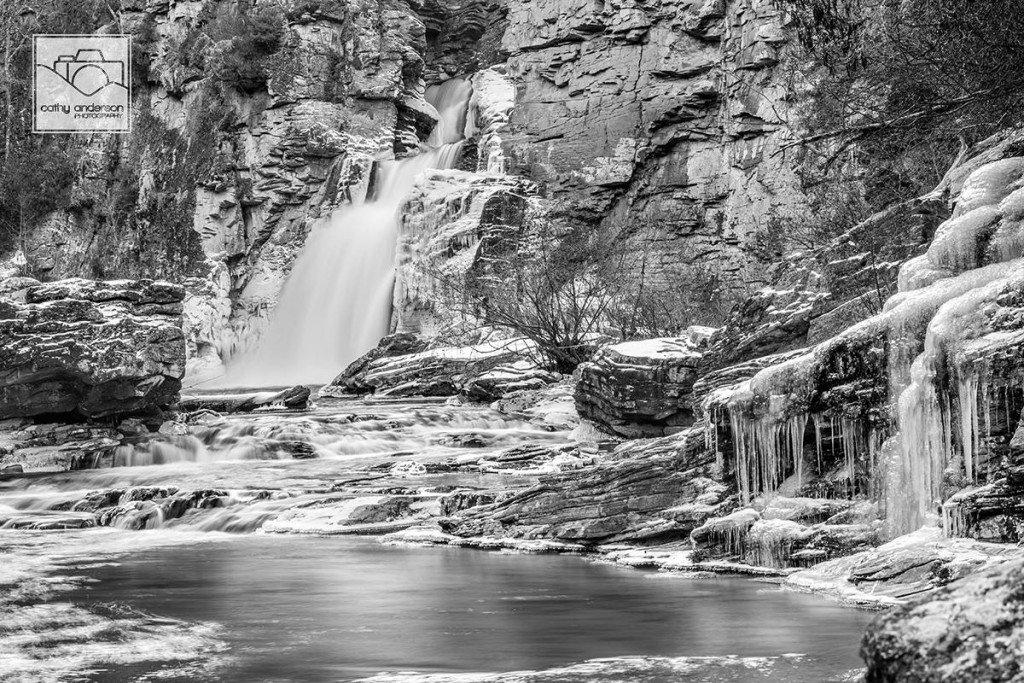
(336,303)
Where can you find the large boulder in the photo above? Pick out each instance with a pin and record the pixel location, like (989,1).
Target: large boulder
(970,630)
(401,365)
(640,388)
(84,348)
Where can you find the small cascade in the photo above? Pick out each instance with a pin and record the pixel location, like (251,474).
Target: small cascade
(336,304)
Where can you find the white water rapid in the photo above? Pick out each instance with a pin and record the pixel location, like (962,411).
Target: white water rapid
(336,304)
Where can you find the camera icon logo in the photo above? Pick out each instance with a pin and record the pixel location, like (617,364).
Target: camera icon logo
(81,83)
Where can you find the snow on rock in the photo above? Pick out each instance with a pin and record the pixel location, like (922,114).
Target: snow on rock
(641,388)
(484,371)
(643,489)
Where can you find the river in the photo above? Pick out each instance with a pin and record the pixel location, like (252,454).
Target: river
(213,595)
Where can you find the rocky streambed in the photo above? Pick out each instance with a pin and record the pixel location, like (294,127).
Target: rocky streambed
(177,506)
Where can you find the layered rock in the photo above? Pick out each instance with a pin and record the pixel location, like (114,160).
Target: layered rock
(662,488)
(643,388)
(485,371)
(667,119)
(81,348)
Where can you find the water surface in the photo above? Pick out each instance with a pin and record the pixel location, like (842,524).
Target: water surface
(343,609)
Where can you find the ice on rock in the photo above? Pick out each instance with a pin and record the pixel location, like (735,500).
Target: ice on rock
(768,416)
(1008,241)
(955,246)
(490,107)
(919,272)
(770,542)
(989,185)
(927,446)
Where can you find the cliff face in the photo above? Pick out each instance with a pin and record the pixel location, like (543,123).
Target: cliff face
(663,121)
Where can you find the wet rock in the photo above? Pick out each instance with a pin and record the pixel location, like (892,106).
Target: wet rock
(295,398)
(625,497)
(391,346)
(553,406)
(445,371)
(299,450)
(463,500)
(971,630)
(82,348)
(640,389)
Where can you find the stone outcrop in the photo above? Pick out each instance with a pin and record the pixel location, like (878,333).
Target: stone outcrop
(641,389)
(661,488)
(485,371)
(293,397)
(81,348)
(786,532)
(453,221)
(971,630)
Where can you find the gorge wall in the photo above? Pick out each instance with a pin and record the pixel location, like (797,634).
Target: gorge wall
(663,121)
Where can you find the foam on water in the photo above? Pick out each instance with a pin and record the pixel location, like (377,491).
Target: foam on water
(336,303)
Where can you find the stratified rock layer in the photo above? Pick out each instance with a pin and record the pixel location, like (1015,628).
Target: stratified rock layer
(658,488)
(402,366)
(91,349)
(640,389)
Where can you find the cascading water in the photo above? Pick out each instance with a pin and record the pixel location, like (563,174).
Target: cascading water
(336,304)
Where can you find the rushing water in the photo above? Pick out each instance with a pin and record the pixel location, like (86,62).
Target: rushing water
(336,304)
(182,600)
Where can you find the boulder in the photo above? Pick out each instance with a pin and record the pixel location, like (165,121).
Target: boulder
(83,348)
(970,630)
(485,371)
(640,388)
(293,397)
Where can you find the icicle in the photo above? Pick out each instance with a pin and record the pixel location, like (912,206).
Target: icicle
(817,440)
(968,394)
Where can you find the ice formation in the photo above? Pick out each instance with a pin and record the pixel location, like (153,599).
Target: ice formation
(932,343)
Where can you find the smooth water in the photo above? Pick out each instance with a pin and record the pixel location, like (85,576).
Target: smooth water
(327,609)
(260,587)
(336,303)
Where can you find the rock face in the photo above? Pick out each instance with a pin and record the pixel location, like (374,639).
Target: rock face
(639,389)
(666,118)
(484,372)
(91,349)
(451,221)
(663,120)
(971,630)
